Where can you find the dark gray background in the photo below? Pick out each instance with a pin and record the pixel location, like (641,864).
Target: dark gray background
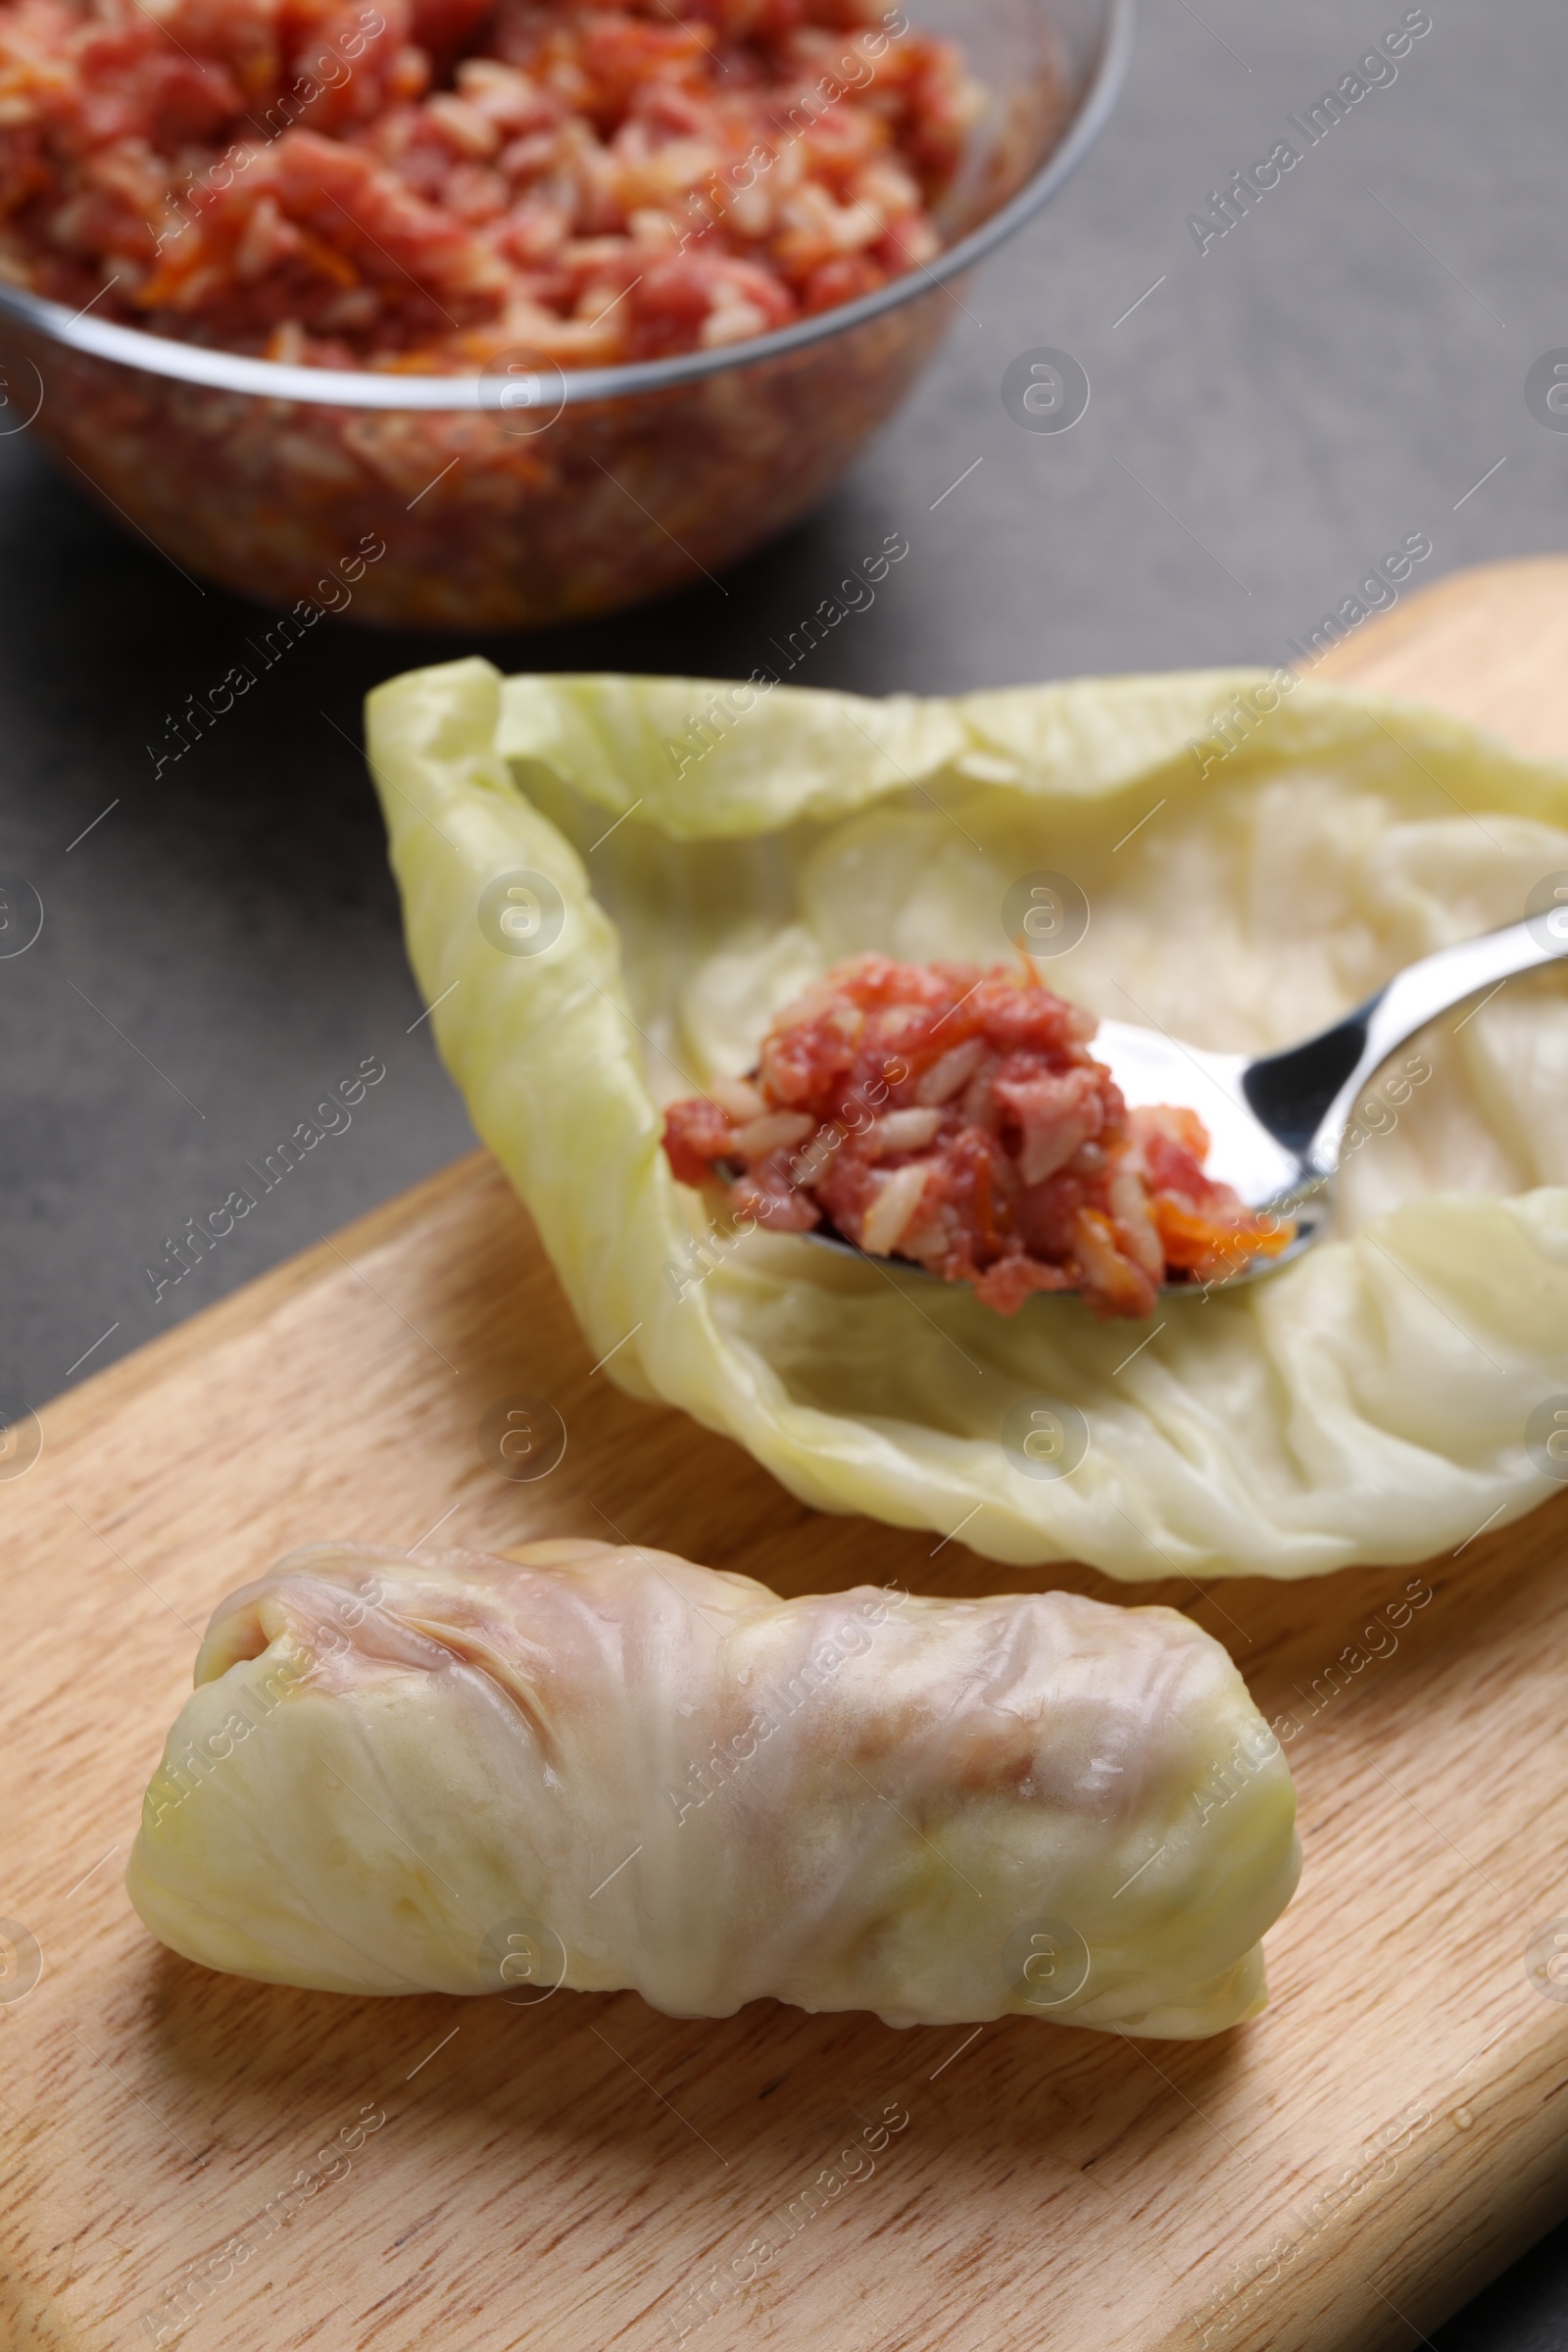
(1337,372)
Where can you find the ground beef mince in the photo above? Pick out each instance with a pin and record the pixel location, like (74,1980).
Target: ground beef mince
(424,184)
(956,1117)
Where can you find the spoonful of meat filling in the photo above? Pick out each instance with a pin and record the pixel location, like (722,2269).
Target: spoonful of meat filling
(956,1119)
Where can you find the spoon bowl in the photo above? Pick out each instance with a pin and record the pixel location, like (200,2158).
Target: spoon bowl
(1277,1122)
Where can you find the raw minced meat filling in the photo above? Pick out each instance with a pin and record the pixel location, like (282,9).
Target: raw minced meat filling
(430,183)
(956,1117)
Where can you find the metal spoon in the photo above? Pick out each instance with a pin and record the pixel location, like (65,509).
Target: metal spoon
(1277,1121)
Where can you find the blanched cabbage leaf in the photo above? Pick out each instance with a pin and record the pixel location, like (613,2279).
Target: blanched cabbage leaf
(603,1767)
(1244,888)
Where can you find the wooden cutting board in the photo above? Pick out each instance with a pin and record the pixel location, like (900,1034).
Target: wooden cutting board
(585,2173)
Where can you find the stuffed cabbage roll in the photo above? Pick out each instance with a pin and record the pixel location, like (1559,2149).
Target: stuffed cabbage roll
(603,1766)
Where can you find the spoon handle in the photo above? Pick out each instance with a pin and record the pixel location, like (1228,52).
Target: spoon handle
(1305,1095)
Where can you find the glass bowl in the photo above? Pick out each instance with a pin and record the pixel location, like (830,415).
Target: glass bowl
(523,495)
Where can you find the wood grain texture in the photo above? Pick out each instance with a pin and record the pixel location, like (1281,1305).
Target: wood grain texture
(572,2174)
(1490,645)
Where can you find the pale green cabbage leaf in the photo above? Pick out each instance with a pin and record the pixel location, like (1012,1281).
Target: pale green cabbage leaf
(600,1767)
(1367,1403)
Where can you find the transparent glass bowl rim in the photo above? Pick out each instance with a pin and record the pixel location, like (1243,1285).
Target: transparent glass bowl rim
(327,387)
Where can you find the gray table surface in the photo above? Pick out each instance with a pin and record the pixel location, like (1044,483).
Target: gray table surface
(1345,367)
